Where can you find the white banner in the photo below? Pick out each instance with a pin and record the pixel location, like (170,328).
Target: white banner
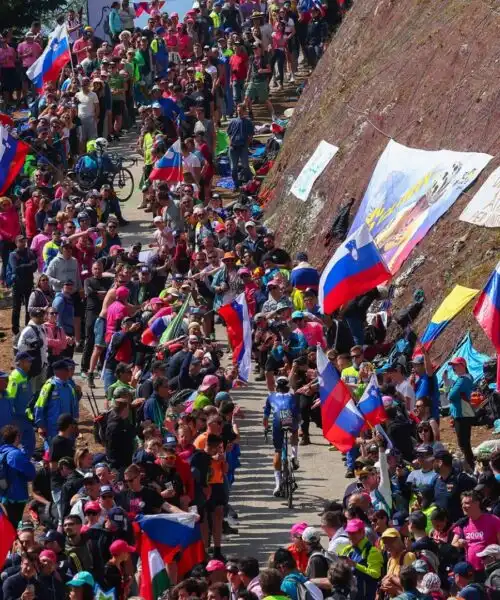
(409,191)
(484,208)
(312,169)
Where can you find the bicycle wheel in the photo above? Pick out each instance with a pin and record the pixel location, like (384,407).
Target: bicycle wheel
(285,479)
(123,184)
(291,486)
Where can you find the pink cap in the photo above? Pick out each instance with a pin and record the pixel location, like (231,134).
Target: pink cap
(119,547)
(94,506)
(298,529)
(219,227)
(387,401)
(208,382)
(122,293)
(354,525)
(215,565)
(244,271)
(50,554)
(458,360)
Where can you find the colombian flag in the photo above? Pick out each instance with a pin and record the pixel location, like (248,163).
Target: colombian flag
(454,302)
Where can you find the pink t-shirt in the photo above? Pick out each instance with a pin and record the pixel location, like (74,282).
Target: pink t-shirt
(8,57)
(116,311)
(313,332)
(37,245)
(479,534)
(29,53)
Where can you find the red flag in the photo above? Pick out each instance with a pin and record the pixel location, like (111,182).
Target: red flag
(7,536)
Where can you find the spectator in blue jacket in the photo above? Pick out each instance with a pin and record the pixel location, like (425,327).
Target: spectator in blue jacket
(57,397)
(63,303)
(18,470)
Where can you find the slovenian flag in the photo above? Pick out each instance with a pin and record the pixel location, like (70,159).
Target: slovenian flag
(163,539)
(371,405)
(169,167)
(356,267)
(49,65)
(7,536)
(239,333)
(12,156)
(449,308)
(341,420)
(487,309)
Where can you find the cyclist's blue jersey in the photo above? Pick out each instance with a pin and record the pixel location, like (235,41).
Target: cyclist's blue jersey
(284,409)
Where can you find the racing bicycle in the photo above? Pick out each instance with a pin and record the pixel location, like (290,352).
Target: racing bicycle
(121,179)
(288,482)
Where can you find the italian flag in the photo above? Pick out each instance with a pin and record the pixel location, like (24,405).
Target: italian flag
(158,575)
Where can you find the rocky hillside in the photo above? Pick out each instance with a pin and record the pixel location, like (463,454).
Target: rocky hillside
(425,72)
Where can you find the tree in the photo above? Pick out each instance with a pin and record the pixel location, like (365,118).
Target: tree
(21,13)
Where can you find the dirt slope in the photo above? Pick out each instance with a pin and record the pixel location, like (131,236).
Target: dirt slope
(425,72)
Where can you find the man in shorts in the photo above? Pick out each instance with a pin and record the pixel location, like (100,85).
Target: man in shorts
(259,73)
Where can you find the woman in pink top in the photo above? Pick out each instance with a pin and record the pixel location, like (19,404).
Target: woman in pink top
(313,332)
(117,311)
(482,529)
(9,228)
(184,42)
(57,340)
(279,40)
(8,72)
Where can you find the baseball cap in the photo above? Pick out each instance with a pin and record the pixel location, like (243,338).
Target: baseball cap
(424,449)
(50,554)
(106,489)
(208,382)
(156,105)
(301,257)
(119,547)
(249,224)
(90,478)
(297,314)
(157,219)
(443,455)
(118,517)
(354,525)
(399,518)
(122,292)
(23,356)
(463,568)
(82,578)
(4,375)
(26,526)
(418,360)
(298,529)
(92,506)
(54,536)
(311,535)
(491,550)
(215,565)
(391,533)
(458,360)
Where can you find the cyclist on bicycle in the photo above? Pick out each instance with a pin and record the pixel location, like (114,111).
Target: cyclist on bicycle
(285,411)
(96,165)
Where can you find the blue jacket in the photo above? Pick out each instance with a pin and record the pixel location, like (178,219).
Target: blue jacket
(289,584)
(65,313)
(115,22)
(21,268)
(20,471)
(6,409)
(459,397)
(56,397)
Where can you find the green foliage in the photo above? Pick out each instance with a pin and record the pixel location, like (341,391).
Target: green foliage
(21,13)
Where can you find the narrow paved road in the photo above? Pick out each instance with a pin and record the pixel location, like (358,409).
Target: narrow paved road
(264,520)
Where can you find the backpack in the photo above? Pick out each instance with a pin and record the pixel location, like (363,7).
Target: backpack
(308,591)
(4,483)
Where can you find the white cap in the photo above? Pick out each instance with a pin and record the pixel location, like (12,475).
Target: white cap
(158,219)
(249,224)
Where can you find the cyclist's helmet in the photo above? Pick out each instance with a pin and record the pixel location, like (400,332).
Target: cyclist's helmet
(282,384)
(101,144)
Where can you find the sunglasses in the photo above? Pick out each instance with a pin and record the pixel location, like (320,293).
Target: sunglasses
(355,355)
(111,226)
(52,314)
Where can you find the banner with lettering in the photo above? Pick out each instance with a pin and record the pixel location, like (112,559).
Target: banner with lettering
(409,191)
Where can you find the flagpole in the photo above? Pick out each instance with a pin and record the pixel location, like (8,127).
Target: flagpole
(69,47)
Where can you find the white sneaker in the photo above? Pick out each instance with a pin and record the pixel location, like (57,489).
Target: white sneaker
(277,491)
(292,78)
